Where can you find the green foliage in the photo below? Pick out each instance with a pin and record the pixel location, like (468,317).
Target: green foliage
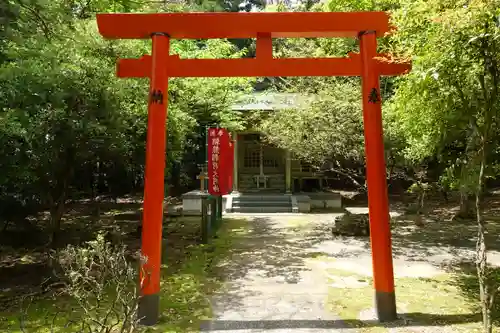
(70,129)
(443,102)
(226,6)
(101,281)
(98,273)
(361,5)
(331,129)
(450,101)
(56,114)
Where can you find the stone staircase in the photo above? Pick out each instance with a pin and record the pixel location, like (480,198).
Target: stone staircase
(262,203)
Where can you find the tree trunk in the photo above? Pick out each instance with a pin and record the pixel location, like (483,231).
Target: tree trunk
(58,208)
(481,251)
(96,206)
(421,200)
(490,95)
(56,214)
(464,200)
(465,203)
(466,211)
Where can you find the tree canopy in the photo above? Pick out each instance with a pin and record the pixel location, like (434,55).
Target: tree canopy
(69,128)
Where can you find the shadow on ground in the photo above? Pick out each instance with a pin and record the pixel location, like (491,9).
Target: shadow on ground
(410,319)
(438,239)
(275,252)
(440,242)
(24,252)
(439,230)
(465,277)
(275,249)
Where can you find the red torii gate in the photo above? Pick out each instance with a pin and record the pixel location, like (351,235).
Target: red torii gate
(160,66)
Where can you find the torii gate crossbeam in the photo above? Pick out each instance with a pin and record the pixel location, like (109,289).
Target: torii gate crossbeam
(160,65)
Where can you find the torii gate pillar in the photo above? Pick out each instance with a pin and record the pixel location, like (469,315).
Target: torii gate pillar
(378,203)
(154,184)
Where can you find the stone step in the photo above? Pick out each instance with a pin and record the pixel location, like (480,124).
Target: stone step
(262,203)
(240,209)
(263,197)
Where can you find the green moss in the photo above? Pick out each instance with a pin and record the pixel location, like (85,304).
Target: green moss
(432,302)
(349,302)
(185,294)
(185,286)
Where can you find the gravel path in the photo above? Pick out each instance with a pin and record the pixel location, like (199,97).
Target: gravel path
(273,284)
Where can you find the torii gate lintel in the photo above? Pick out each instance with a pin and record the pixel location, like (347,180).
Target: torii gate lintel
(160,65)
(258,67)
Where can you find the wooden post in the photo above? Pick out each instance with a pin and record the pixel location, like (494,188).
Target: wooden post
(154,183)
(202,176)
(378,203)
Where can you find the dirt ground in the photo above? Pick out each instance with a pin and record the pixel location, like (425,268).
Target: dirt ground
(289,272)
(24,250)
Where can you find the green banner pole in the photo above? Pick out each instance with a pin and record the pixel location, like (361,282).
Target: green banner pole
(219,207)
(213,216)
(204,221)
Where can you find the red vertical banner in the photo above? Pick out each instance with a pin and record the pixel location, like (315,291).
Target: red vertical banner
(219,162)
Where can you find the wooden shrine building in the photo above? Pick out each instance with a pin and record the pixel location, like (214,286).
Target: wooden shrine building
(260,167)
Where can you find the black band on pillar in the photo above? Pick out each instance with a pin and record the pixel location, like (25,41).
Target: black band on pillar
(148,309)
(386,306)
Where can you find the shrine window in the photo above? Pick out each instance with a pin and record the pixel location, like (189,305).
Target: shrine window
(252,158)
(269,160)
